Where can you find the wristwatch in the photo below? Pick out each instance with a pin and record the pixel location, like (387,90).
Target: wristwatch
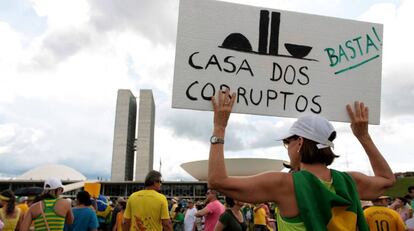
(217,140)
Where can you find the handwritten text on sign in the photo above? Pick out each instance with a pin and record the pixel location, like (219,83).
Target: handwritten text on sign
(278,63)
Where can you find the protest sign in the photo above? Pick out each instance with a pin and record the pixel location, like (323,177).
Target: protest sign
(279,63)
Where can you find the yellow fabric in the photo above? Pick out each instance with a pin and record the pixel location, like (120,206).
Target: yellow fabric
(3,198)
(342,220)
(260,216)
(23,207)
(9,223)
(146,209)
(382,218)
(104,213)
(172,210)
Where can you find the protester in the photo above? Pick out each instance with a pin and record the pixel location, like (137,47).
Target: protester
(379,217)
(248,215)
(189,218)
(178,224)
(84,217)
(174,205)
(103,208)
(22,204)
(199,221)
(51,212)
(147,209)
(400,205)
(411,193)
(232,219)
(115,211)
(10,215)
(120,216)
(327,193)
(212,211)
(260,217)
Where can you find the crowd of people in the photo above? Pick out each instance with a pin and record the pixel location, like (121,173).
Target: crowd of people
(148,209)
(311,196)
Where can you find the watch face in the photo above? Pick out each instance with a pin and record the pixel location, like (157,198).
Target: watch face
(216,140)
(213,139)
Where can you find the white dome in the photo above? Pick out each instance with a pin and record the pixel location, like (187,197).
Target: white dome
(234,166)
(59,171)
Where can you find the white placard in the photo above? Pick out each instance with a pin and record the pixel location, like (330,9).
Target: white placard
(279,63)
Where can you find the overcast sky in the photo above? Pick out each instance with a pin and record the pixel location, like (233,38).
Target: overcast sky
(62,62)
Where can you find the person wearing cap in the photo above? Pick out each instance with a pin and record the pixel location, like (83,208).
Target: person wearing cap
(189,218)
(10,214)
(147,209)
(22,204)
(314,197)
(174,205)
(51,212)
(379,217)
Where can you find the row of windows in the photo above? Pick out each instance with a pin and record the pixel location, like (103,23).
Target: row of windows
(169,189)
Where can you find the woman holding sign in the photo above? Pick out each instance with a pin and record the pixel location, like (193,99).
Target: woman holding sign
(315,197)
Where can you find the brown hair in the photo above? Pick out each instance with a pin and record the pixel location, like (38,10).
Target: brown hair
(152,178)
(310,153)
(11,202)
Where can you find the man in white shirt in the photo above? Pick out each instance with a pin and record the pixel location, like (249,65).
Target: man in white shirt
(189,218)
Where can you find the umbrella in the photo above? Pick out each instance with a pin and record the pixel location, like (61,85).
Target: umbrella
(28,191)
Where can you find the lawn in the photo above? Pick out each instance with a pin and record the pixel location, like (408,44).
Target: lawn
(400,187)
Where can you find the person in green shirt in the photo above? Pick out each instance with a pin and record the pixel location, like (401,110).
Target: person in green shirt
(411,193)
(179,219)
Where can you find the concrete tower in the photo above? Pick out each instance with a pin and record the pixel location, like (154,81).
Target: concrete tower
(145,140)
(124,137)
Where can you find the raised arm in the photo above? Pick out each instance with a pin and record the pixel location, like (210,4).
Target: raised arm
(267,186)
(369,187)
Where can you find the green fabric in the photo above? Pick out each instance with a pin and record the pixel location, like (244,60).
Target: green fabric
(56,222)
(317,204)
(179,217)
(290,224)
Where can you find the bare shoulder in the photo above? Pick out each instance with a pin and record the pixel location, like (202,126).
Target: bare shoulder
(281,184)
(35,209)
(64,203)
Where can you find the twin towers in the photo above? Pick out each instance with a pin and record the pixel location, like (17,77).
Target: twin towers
(133,147)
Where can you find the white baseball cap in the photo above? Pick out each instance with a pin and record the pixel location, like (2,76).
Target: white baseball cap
(53,183)
(312,127)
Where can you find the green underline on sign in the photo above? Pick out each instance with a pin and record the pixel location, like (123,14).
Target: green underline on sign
(356,65)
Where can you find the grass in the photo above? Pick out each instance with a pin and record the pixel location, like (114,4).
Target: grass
(400,187)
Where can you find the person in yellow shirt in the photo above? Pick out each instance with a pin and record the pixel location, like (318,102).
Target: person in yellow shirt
(260,217)
(380,218)
(22,204)
(147,209)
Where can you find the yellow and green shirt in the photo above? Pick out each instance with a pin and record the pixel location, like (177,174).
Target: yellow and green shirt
(333,206)
(55,221)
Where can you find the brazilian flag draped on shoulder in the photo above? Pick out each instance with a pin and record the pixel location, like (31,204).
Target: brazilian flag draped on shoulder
(321,209)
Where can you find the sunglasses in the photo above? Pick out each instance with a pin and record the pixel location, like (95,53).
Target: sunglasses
(288,140)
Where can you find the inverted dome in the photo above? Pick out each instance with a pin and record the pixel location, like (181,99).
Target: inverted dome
(234,166)
(59,171)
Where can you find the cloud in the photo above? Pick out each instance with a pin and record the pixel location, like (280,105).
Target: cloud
(58,88)
(398,65)
(155,20)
